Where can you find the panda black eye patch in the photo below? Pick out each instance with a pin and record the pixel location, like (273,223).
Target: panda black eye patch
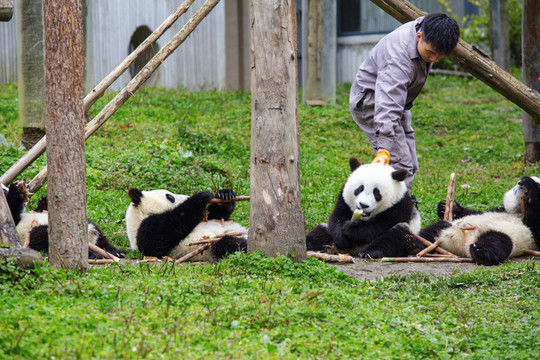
(359,190)
(170,198)
(377,194)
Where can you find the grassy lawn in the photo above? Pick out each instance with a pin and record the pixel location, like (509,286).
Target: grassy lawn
(249,306)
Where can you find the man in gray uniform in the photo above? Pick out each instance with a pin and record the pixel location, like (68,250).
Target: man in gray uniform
(389,80)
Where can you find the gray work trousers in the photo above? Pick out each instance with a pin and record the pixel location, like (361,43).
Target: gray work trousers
(403,149)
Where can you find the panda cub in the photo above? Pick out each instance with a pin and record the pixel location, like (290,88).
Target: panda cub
(492,237)
(380,192)
(160,223)
(33,226)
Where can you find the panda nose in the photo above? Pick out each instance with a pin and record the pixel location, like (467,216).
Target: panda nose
(363,206)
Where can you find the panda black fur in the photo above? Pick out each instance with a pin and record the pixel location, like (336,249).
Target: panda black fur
(160,223)
(34,225)
(492,237)
(380,191)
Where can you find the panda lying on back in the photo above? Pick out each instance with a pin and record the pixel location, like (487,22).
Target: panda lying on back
(33,226)
(380,192)
(491,237)
(160,223)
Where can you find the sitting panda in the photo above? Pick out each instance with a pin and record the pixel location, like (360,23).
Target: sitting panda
(160,223)
(33,226)
(491,237)
(380,192)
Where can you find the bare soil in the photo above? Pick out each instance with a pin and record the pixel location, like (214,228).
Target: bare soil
(375,269)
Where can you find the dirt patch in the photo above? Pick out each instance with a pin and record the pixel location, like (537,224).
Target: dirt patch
(375,269)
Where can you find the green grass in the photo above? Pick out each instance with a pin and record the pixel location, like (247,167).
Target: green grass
(249,306)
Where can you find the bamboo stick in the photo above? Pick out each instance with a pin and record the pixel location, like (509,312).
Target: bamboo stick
(193,253)
(450,192)
(238,198)
(39,148)
(102,252)
(531,252)
(429,243)
(100,261)
(216,238)
(343,258)
(426,259)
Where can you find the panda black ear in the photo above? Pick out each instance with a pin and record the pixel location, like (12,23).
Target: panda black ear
(135,195)
(399,175)
(354,163)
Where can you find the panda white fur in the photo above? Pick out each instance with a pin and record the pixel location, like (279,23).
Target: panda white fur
(492,237)
(33,226)
(380,192)
(160,223)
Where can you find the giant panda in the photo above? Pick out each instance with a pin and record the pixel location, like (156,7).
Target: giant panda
(491,237)
(380,192)
(160,223)
(33,226)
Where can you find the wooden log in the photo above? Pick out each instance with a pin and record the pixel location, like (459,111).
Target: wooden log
(342,258)
(450,192)
(24,257)
(216,238)
(431,247)
(102,252)
(473,60)
(6,10)
(98,91)
(531,252)
(100,261)
(193,253)
(427,259)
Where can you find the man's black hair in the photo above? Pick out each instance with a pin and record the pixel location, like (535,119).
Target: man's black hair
(441,32)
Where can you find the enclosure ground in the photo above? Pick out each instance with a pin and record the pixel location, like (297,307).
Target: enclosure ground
(375,269)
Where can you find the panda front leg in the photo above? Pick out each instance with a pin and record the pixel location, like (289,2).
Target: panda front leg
(222,210)
(491,248)
(398,241)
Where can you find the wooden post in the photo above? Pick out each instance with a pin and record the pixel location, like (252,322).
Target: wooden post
(96,93)
(314,51)
(6,10)
(276,220)
(530,29)
(68,234)
(475,62)
(500,32)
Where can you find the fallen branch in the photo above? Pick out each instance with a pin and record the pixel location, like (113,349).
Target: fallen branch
(238,198)
(431,247)
(343,258)
(193,253)
(216,238)
(102,252)
(427,259)
(531,252)
(429,243)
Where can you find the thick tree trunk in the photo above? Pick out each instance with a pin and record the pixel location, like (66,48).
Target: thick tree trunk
(64,83)
(530,28)
(474,61)
(500,33)
(276,219)
(8,233)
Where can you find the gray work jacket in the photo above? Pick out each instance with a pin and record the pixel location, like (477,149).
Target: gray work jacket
(396,73)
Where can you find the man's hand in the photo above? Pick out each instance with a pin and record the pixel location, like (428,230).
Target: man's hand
(382,157)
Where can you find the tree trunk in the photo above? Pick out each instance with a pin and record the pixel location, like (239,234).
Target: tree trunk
(8,233)
(276,219)
(64,84)
(530,28)
(474,61)
(500,33)
(314,76)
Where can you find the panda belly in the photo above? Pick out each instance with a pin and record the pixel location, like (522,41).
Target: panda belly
(459,237)
(29,221)
(209,229)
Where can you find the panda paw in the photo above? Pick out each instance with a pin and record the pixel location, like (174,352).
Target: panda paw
(225,194)
(118,253)
(371,254)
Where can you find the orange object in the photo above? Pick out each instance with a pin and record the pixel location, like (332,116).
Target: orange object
(382,157)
